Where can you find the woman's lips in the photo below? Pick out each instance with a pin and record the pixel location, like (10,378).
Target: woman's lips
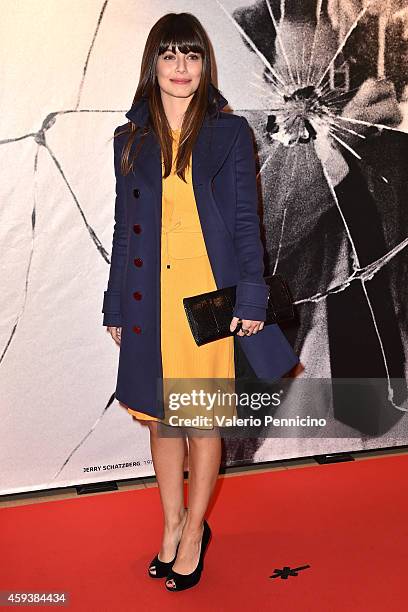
(180,81)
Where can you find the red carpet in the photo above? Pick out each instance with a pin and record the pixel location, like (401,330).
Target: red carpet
(347,521)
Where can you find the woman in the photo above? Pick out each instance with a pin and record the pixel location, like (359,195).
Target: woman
(185,223)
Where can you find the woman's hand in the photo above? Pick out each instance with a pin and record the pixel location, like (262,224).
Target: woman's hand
(116,333)
(252,326)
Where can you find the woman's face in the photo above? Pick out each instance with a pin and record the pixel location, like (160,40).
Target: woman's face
(179,74)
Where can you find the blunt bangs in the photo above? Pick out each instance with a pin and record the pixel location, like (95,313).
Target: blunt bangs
(182,36)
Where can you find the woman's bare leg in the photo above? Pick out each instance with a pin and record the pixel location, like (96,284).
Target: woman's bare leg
(168,461)
(204,464)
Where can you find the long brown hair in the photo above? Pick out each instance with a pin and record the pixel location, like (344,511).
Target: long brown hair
(184,31)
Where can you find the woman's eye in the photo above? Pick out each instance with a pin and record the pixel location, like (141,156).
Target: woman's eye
(191,56)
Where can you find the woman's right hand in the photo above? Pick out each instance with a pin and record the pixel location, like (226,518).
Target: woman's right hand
(115,332)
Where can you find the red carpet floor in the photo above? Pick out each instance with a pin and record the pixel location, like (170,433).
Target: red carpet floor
(347,521)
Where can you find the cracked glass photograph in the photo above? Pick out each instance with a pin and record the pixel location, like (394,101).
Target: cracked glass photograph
(324,87)
(332,168)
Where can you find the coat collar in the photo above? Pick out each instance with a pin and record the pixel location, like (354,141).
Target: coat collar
(139,112)
(209,150)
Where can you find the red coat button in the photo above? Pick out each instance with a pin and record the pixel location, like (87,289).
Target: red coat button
(137,329)
(137,295)
(137,228)
(138,262)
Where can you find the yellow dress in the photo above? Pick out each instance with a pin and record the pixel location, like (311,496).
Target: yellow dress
(185,271)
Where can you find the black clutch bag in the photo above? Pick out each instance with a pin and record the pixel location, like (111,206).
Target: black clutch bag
(209,314)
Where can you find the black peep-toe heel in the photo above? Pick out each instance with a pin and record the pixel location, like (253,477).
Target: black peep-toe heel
(162,567)
(186,581)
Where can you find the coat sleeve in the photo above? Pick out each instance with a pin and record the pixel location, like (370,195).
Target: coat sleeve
(111,300)
(252,290)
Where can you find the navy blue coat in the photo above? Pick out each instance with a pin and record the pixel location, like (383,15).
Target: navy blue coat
(224,182)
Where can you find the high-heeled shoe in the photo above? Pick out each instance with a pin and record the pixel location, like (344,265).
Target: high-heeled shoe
(162,568)
(186,581)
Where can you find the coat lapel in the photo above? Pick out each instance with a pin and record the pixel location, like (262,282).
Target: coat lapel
(209,151)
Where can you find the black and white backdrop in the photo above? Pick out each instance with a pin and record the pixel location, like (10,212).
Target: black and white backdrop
(324,86)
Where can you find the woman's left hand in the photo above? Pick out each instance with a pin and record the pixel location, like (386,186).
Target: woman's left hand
(252,326)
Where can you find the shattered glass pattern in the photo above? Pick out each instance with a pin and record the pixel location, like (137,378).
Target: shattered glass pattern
(332,131)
